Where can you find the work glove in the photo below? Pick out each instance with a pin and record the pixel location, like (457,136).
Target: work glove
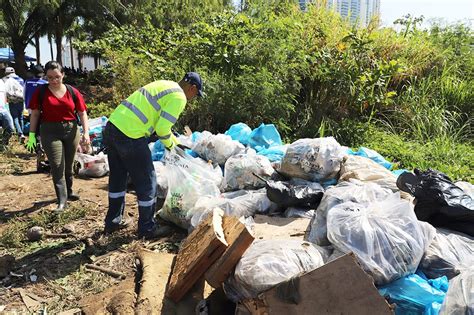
(31,144)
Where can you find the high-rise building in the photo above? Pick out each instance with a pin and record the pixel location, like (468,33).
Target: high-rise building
(358,11)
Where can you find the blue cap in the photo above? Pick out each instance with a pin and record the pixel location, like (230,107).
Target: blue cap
(194,79)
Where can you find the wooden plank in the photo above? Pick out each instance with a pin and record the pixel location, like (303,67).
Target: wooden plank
(339,287)
(198,252)
(239,239)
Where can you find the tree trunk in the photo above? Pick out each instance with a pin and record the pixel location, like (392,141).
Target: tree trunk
(96,61)
(72,52)
(50,40)
(79,58)
(18,48)
(38,50)
(59,40)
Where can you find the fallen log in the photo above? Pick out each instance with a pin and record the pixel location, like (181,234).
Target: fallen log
(107,271)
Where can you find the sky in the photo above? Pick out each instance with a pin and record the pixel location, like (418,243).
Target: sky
(390,10)
(449,10)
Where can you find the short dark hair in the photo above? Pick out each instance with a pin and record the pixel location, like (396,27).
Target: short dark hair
(53,65)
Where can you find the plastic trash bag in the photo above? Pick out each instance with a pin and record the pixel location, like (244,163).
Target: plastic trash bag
(217,148)
(188,179)
(92,165)
(313,159)
(351,191)
(275,153)
(448,254)
(468,188)
(386,237)
(239,132)
(239,170)
(157,151)
(161,180)
(368,171)
(439,201)
(296,192)
(247,203)
(267,263)
(460,297)
(415,295)
(294,212)
(373,155)
(264,137)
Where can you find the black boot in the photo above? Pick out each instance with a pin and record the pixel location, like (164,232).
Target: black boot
(61,194)
(70,195)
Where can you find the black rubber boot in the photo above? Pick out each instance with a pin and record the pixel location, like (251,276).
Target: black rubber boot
(61,194)
(70,195)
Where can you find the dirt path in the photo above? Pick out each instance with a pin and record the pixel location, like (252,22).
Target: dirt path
(53,269)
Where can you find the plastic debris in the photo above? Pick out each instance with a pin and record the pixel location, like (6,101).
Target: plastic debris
(240,132)
(264,137)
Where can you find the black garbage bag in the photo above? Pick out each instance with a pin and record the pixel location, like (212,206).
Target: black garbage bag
(438,201)
(294,193)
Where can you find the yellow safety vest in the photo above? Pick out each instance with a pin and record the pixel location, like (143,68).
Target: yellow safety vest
(154,107)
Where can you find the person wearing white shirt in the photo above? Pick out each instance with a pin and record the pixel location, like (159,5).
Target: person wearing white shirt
(5,117)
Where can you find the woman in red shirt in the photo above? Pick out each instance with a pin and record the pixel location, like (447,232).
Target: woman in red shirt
(58,129)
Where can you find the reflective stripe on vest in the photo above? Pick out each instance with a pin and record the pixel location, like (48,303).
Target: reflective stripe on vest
(164,137)
(153,100)
(168,117)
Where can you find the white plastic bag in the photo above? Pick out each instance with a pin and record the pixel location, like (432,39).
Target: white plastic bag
(449,253)
(239,170)
(295,212)
(386,236)
(267,263)
(188,180)
(313,159)
(459,299)
(217,148)
(350,191)
(243,204)
(92,165)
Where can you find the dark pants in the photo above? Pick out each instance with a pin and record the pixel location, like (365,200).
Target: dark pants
(17,114)
(132,157)
(60,141)
(7,125)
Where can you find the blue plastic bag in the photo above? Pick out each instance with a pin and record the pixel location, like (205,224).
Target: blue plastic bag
(158,151)
(275,153)
(264,137)
(373,155)
(414,294)
(240,132)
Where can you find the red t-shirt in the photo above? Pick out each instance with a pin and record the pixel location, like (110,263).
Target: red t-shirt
(58,109)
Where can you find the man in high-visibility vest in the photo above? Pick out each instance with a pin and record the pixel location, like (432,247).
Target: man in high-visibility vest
(153,108)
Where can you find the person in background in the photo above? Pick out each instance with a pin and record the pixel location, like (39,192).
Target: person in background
(153,108)
(15,96)
(32,85)
(5,117)
(59,129)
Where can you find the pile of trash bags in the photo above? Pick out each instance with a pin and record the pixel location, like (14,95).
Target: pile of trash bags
(413,233)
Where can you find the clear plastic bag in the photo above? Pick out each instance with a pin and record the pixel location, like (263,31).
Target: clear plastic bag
(294,212)
(92,165)
(239,170)
(243,203)
(267,263)
(188,179)
(313,159)
(386,237)
(217,148)
(460,297)
(350,191)
(448,254)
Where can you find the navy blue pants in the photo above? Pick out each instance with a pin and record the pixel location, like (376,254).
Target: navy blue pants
(130,156)
(17,114)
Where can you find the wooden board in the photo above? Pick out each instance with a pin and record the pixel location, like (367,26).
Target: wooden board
(239,239)
(198,252)
(339,287)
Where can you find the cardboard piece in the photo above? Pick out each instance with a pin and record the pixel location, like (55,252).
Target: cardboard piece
(339,287)
(198,252)
(239,239)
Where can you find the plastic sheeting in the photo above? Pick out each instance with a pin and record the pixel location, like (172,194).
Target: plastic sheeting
(275,153)
(217,148)
(460,297)
(239,171)
(267,263)
(351,191)
(386,237)
(440,202)
(188,179)
(373,155)
(414,294)
(313,159)
(448,254)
